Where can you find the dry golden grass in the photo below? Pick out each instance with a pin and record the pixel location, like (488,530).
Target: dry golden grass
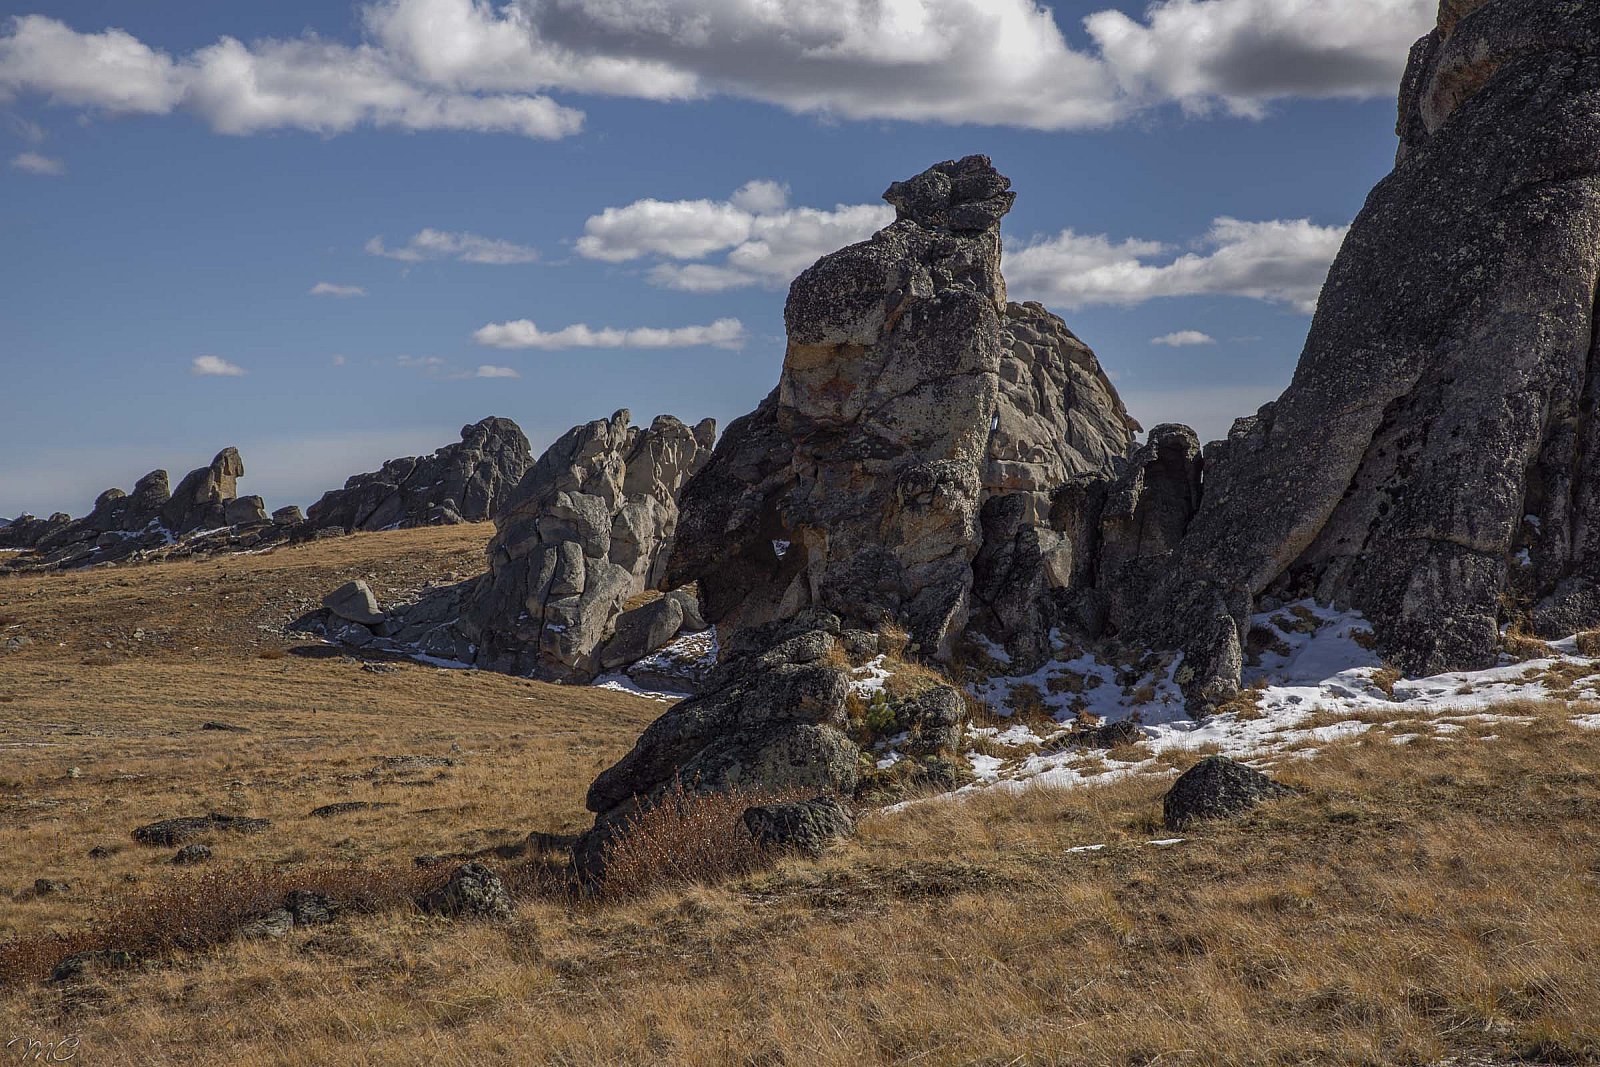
(1419,902)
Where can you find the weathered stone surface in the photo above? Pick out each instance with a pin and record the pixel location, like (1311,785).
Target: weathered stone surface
(772,717)
(201,499)
(1144,517)
(1445,389)
(169,832)
(288,516)
(464,482)
(242,511)
(1216,788)
(474,891)
(590,525)
(191,854)
(911,391)
(808,827)
(641,631)
(354,602)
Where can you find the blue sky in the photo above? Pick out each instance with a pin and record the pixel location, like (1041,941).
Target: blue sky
(171,195)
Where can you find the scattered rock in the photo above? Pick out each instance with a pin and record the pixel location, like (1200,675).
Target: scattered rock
(1107,735)
(93,963)
(354,602)
(1216,788)
(46,887)
(275,923)
(308,908)
(212,724)
(191,854)
(473,891)
(807,827)
(345,807)
(169,832)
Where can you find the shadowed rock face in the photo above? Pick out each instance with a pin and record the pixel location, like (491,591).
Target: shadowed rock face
(910,391)
(201,499)
(589,526)
(465,482)
(1446,390)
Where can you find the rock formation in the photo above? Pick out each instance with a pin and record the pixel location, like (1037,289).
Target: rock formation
(1434,457)
(465,482)
(588,528)
(205,512)
(911,391)
(918,415)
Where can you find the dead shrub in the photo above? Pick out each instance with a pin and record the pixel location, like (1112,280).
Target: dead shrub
(686,838)
(1520,646)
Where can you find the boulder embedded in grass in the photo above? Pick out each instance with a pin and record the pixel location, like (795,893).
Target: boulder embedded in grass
(191,854)
(1216,788)
(97,961)
(169,832)
(473,891)
(807,827)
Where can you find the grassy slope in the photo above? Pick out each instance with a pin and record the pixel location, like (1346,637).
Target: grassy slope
(1420,901)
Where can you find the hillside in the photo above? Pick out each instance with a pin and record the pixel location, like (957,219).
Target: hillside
(1428,899)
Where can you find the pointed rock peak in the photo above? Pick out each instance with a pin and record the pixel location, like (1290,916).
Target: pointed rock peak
(228,464)
(963,195)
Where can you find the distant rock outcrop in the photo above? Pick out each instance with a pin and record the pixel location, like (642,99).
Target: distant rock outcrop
(465,482)
(589,527)
(1433,464)
(205,513)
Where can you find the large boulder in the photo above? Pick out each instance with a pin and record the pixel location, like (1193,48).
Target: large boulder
(589,527)
(808,827)
(1216,788)
(911,391)
(771,719)
(464,482)
(1432,462)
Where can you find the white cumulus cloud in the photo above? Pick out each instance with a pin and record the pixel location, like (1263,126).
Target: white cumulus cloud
(34,163)
(331,289)
(465,247)
(302,83)
(488,370)
(487,66)
(215,366)
(1183,339)
(1281,261)
(522,333)
(760,240)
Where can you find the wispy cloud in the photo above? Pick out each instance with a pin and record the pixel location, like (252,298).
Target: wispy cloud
(1183,338)
(488,370)
(34,163)
(522,333)
(215,367)
(463,247)
(330,289)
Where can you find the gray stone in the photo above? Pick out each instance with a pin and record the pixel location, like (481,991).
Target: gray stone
(464,482)
(590,526)
(169,832)
(641,631)
(473,891)
(288,516)
(201,499)
(191,854)
(354,602)
(276,923)
(1216,788)
(808,827)
(244,510)
(309,908)
(1444,390)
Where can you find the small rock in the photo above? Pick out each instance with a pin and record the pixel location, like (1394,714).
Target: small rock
(807,827)
(169,832)
(44,887)
(354,602)
(73,772)
(1216,788)
(345,807)
(309,908)
(98,961)
(99,852)
(192,853)
(213,725)
(1108,735)
(473,891)
(275,923)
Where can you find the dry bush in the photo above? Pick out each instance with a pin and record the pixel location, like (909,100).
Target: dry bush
(1521,646)
(1384,679)
(1588,643)
(686,838)
(199,910)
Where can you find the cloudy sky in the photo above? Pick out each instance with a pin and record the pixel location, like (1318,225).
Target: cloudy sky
(333,234)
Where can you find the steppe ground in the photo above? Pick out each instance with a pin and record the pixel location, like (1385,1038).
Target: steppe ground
(1421,903)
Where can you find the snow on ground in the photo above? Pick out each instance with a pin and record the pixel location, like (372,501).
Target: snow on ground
(1313,678)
